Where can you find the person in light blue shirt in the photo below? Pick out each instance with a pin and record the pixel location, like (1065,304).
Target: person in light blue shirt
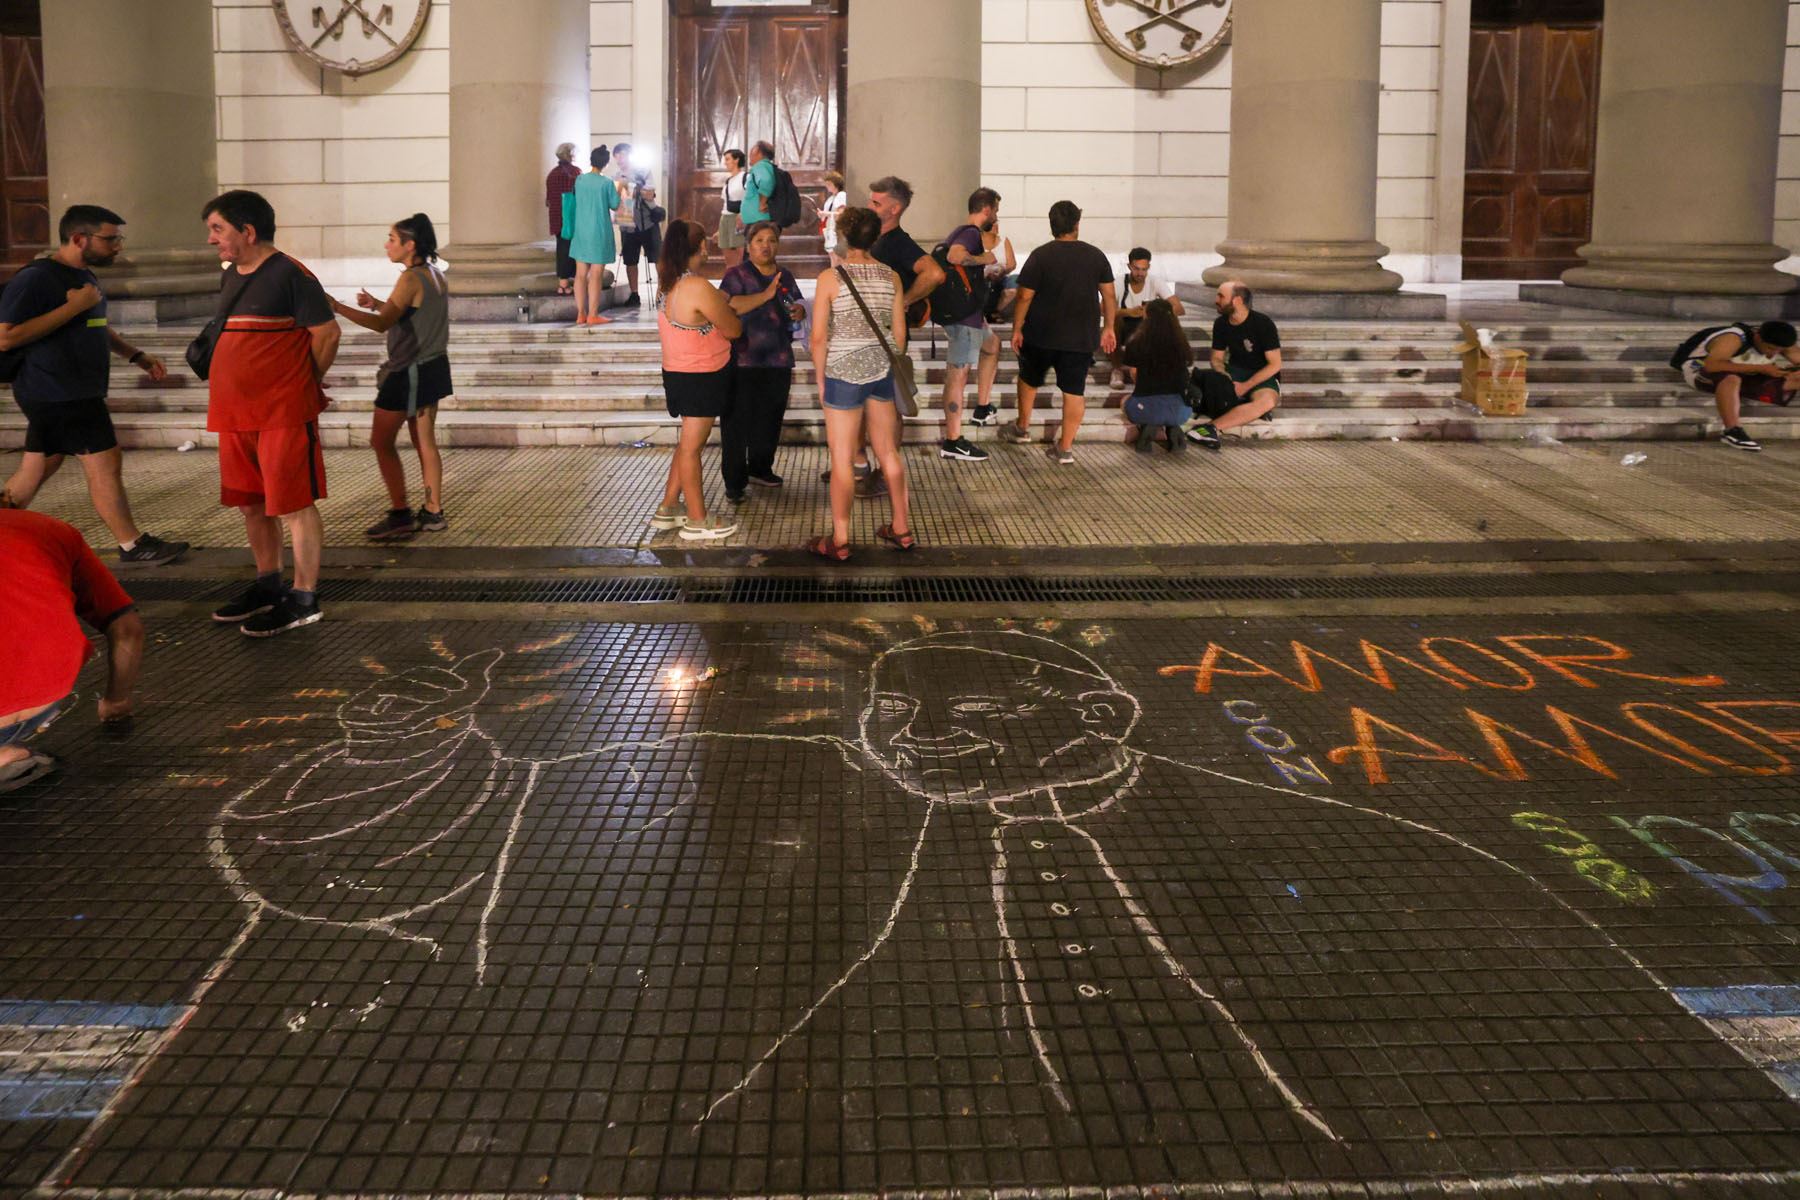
(759,184)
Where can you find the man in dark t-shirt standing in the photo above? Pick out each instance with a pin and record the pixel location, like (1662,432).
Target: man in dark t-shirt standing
(53,315)
(1247,347)
(1063,315)
(280,338)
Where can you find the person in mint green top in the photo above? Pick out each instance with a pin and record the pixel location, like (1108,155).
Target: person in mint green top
(588,224)
(759,184)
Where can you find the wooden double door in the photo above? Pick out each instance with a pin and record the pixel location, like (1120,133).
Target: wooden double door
(750,73)
(1534,97)
(24,161)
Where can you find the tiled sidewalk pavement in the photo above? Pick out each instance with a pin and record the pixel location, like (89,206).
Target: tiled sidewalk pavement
(1254,493)
(550,909)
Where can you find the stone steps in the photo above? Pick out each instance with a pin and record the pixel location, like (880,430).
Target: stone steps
(627,427)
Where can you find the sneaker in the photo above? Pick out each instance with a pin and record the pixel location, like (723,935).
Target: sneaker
(709,530)
(1059,456)
(1736,438)
(771,480)
(1011,432)
(151,551)
(1204,434)
(735,497)
(288,614)
(431,522)
(870,486)
(669,516)
(862,471)
(961,448)
(983,414)
(634,300)
(253,602)
(399,523)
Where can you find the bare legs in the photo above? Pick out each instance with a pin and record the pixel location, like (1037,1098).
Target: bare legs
(590,288)
(423,430)
(1074,408)
(105,481)
(305,529)
(1259,402)
(1727,395)
(684,468)
(882,418)
(955,379)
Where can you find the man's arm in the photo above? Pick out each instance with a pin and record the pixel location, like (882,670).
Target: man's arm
(150,364)
(1021,306)
(1218,361)
(1718,359)
(960,256)
(929,276)
(1175,303)
(78,301)
(325,340)
(124,658)
(1109,313)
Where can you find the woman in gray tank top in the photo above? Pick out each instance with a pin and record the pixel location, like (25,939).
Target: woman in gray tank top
(416,375)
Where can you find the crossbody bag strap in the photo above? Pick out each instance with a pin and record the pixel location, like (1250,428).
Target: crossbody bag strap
(879,332)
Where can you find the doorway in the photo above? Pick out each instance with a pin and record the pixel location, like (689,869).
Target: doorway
(749,72)
(1534,103)
(24,162)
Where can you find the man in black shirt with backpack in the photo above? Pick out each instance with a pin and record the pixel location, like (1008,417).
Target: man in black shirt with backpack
(55,345)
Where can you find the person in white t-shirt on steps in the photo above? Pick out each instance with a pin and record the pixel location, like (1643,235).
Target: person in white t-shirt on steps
(1142,285)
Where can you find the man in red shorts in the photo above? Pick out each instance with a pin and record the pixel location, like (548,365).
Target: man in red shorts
(52,579)
(280,338)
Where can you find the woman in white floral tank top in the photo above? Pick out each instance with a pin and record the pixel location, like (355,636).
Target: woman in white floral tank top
(856,378)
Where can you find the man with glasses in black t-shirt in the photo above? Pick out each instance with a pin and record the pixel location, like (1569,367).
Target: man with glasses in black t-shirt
(53,315)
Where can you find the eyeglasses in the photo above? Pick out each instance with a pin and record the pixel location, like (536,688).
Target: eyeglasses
(117,239)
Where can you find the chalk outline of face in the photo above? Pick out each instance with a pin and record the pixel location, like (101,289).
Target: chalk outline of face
(379,708)
(1106,711)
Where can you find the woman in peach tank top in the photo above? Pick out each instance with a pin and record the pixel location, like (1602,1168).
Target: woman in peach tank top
(695,324)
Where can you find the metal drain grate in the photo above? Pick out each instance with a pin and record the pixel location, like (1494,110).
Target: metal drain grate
(958,589)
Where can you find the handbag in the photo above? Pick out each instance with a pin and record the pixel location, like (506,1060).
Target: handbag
(906,389)
(200,350)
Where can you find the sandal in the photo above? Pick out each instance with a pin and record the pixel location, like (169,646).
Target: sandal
(823,547)
(899,541)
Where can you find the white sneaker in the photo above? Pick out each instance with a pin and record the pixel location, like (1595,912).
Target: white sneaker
(708,530)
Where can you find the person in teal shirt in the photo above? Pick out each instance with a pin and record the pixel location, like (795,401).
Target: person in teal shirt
(759,184)
(588,224)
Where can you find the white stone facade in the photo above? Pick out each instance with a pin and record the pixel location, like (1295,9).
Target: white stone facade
(1062,117)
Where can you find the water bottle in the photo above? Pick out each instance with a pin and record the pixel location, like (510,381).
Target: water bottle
(524,308)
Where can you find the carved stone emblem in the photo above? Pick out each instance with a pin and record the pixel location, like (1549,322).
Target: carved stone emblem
(352,36)
(1161,33)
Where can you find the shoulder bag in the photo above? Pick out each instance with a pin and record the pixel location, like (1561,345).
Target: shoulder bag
(200,350)
(906,389)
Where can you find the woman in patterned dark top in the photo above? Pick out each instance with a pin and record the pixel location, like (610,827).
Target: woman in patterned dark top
(767,297)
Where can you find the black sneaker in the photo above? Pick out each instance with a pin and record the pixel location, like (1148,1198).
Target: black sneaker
(771,480)
(253,602)
(961,448)
(398,523)
(151,551)
(1204,434)
(634,300)
(734,497)
(1736,438)
(286,615)
(983,414)
(431,522)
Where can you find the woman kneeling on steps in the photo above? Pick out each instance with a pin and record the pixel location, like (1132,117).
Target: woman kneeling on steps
(1160,354)
(416,375)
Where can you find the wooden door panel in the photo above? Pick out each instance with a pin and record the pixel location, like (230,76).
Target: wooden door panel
(1533,111)
(24,158)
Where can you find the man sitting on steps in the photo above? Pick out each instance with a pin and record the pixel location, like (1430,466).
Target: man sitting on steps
(1247,347)
(1727,360)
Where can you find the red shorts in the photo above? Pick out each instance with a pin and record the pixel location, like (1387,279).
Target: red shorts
(282,470)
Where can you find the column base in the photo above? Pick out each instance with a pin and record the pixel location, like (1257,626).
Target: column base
(1723,269)
(501,270)
(161,285)
(1305,266)
(1697,306)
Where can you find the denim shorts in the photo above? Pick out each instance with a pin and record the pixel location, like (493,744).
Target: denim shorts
(20,732)
(964,348)
(848,397)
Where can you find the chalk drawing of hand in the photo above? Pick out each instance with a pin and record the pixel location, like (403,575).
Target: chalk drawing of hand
(339,835)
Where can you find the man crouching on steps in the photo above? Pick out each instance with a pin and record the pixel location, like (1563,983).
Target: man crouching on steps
(280,337)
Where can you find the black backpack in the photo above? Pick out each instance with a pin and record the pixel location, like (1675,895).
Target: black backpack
(784,204)
(1687,349)
(13,361)
(962,293)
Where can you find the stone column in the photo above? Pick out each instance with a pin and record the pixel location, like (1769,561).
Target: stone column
(129,117)
(518,86)
(913,106)
(1305,82)
(1690,124)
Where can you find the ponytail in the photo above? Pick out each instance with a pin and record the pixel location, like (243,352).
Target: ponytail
(418,230)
